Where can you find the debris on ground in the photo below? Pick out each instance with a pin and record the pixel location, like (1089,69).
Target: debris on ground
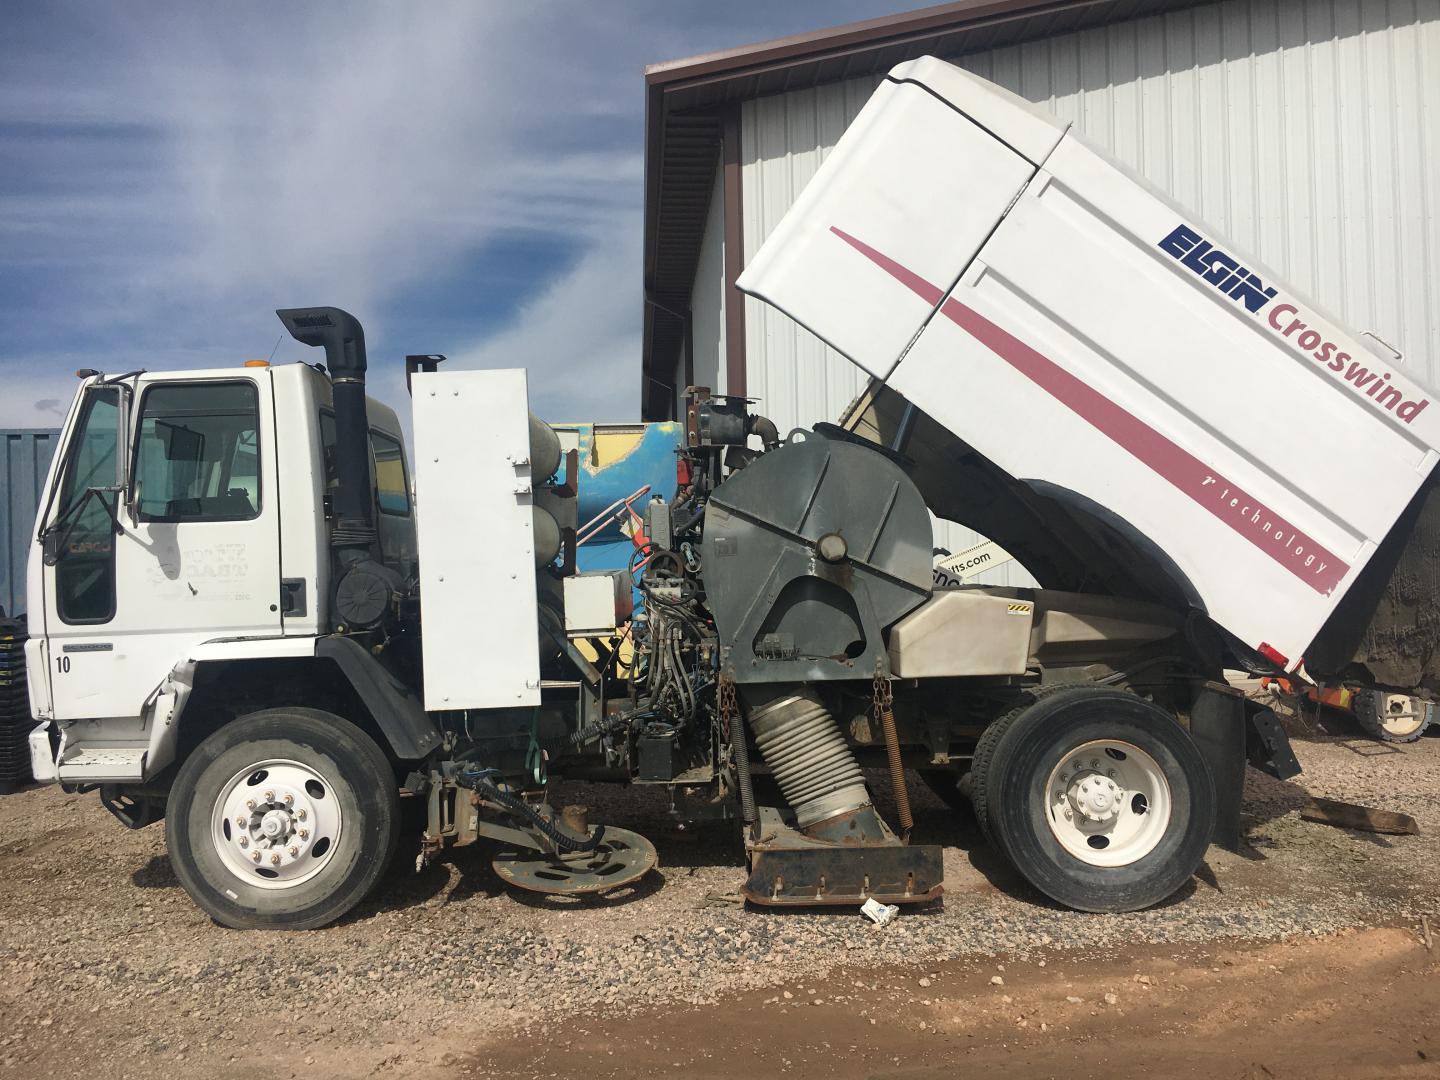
(878,913)
(1352,816)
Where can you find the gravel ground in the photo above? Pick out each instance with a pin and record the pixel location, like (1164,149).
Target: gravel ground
(106,962)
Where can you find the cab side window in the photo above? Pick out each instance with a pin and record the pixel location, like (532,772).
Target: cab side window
(85,562)
(392,492)
(327,451)
(198,456)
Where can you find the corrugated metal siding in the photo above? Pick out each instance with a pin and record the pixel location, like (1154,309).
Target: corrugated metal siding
(707,299)
(1304,131)
(24,460)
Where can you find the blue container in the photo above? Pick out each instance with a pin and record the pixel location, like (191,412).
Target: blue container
(616,461)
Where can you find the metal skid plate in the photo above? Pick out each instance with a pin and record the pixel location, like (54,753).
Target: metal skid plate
(621,858)
(788,869)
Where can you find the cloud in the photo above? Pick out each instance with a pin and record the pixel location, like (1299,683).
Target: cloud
(35,400)
(172,172)
(204,165)
(579,337)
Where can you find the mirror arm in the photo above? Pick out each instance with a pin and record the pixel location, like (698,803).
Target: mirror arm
(71,518)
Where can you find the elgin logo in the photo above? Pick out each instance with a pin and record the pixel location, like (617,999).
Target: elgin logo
(1226,274)
(1213,265)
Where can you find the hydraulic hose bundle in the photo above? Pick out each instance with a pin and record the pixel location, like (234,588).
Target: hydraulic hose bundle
(480,782)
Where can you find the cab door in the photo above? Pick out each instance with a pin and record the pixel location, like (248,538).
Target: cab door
(190,553)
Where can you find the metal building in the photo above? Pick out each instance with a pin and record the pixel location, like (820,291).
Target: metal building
(1305,131)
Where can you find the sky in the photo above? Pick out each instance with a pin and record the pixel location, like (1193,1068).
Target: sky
(465,178)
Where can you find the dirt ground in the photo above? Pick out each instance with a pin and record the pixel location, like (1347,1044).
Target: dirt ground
(1356,1004)
(1301,955)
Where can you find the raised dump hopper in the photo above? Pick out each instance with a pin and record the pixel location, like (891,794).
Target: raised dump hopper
(1088,374)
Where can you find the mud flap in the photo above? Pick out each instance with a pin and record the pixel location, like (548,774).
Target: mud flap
(1217,726)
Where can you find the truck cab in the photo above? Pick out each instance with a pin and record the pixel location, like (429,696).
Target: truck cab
(184,518)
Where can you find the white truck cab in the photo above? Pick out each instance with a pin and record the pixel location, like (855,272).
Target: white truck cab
(179,525)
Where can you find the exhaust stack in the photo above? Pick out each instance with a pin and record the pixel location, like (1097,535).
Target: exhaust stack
(365,589)
(343,340)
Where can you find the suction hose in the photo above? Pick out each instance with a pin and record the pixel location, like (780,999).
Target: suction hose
(814,767)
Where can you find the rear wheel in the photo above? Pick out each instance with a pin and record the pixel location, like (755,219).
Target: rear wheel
(282,819)
(1400,718)
(1099,798)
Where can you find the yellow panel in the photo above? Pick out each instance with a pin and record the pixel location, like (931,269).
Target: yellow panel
(627,653)
(611,446)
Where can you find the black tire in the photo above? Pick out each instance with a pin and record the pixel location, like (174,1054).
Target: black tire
(976,780)
(1014,762)
(361,780)
(1372,709)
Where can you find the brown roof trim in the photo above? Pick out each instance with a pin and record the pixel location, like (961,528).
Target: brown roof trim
(866,32)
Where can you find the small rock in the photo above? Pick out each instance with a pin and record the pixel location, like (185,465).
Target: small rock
(1111,999)
(996,980)
(1074,1000)
(788,995)
(924,982)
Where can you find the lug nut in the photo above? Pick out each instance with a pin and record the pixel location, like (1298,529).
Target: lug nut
(241,821)
(300,814)
(255,855)
(304,834)
(269,796)
(294,851)
(250,804)
(244,841)
(275,859)
(289,800)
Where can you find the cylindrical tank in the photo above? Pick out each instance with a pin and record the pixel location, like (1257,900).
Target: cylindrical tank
(547,536)
(544,450)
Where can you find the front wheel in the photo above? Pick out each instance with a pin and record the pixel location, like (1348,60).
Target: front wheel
(1099,798)
(282,820)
